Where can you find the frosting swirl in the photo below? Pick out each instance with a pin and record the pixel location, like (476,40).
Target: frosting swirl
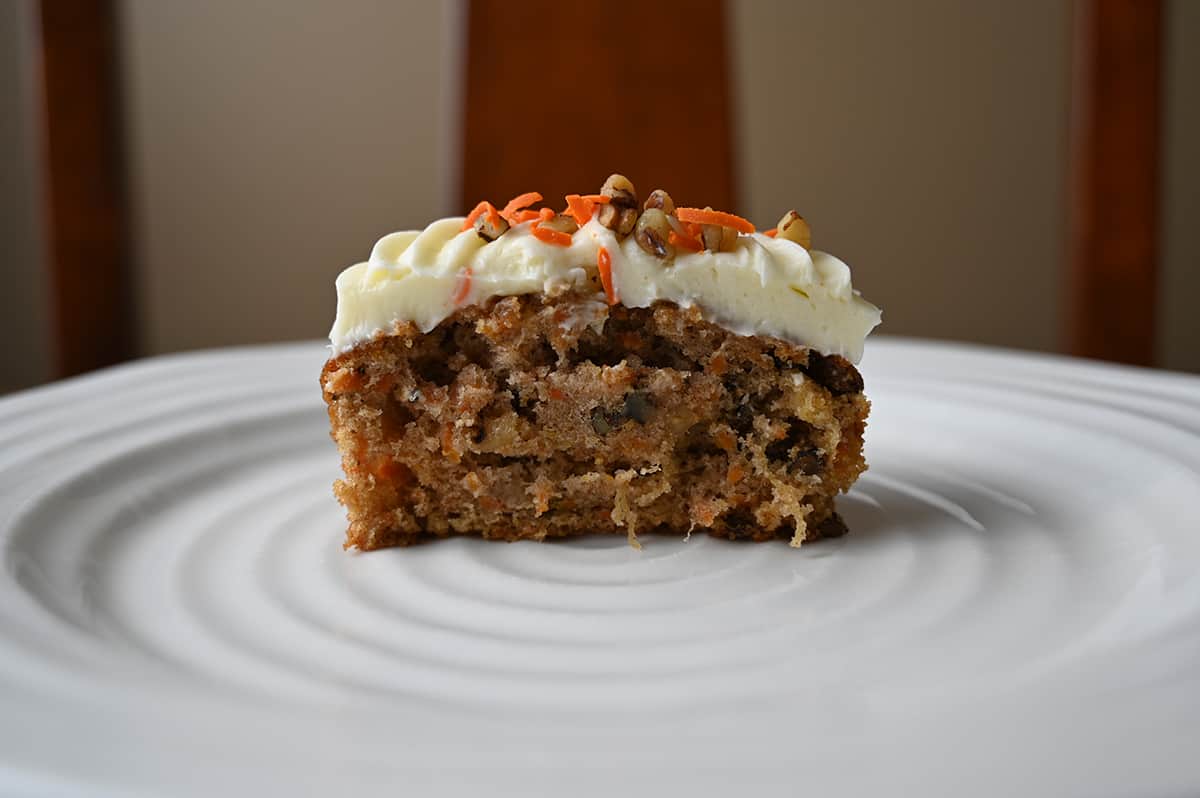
(765,286)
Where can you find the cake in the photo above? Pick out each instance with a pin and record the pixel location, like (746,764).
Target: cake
(616,367)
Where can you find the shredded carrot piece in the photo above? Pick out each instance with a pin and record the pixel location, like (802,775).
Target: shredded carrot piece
(390,471)
(771,233)
(448,449)
(476,212)
(520,201)
(556,394)
(725,440)
(494,217)
(604,266)
(684,242)
(523,216)
(549,236)
(702,216)
(581,208)
(546,214)
(463,288)
(735,474)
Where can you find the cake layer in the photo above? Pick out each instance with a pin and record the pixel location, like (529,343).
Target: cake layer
(538,416)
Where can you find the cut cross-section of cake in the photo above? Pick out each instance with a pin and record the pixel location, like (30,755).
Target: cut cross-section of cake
(615,367)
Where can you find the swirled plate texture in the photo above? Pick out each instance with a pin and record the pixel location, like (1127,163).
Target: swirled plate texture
(1016,610)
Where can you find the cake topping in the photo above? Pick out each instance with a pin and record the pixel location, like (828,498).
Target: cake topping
(685,238)
(768,283)
(620,213)
(661,200)
(792,227)
(582,208)
(620,192)
(707,216)
(653,233)
(517,203)
(486,221)
(554,229)
(604,267)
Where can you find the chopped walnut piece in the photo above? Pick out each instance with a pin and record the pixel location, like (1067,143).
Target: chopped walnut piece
(620,220)
(490,226)
(560,223)
(620,192)
(661,200)
(792,227)
(718,239)
(652,233)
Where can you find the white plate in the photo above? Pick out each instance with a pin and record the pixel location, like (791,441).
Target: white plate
(1016,610)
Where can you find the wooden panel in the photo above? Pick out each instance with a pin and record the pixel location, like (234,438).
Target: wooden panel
(559,95)
(1112,279)
(85,204)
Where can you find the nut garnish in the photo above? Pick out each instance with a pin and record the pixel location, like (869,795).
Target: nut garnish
(560,223)
(621,220)
(490,226)
(653,232)
(793,228)
(620,191)
(661,200)
(718,239)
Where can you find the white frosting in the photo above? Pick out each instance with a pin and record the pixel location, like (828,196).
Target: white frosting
(766,286)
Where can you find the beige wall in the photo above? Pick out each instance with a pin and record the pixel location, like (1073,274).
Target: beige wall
(24,328)
(924,143)
(1179,310)
(271,144)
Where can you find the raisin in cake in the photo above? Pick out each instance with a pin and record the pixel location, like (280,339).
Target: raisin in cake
(614,367)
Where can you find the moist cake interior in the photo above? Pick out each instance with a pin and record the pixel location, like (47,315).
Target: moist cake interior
(533,417)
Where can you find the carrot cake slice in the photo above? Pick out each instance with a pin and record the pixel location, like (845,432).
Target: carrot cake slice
(617,366)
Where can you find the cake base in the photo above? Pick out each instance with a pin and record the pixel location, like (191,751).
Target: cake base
(534,417)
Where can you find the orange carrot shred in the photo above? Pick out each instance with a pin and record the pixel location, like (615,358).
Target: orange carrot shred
(520,201)
(524,216)
(702,216)
(463,288)
(476,212)
(493,216)
(581,208)
(597,198)
(549,236)
(771,233)
(448,449)
(546,214)
(684,242)
(604,266)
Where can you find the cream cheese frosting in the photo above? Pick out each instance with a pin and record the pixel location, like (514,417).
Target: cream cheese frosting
(765,286)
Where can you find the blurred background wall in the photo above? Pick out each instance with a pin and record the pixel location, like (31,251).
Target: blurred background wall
(268,145)
(1179,316)
(271,143)
(24,322)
